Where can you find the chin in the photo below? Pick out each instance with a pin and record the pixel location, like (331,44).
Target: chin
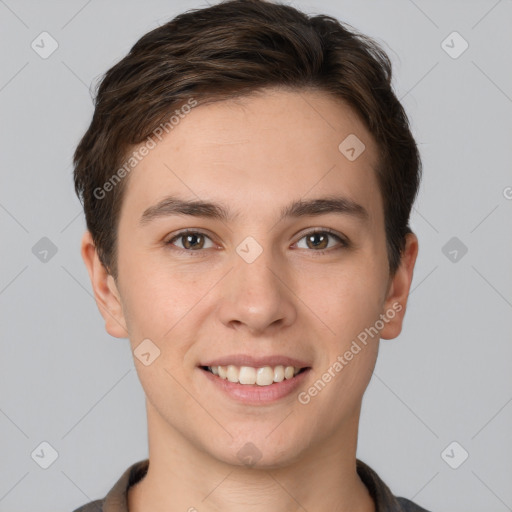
(258,452)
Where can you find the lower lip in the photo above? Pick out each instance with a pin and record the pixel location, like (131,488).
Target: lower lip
(253,394)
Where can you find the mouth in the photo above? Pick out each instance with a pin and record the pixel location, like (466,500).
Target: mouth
(259,376)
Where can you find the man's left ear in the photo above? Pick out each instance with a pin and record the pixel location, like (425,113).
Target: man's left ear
(398,290)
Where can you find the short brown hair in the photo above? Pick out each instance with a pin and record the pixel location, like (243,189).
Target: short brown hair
(232,49)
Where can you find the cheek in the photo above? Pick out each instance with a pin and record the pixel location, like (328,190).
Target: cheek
(352,298)
(158,300)
(352,303)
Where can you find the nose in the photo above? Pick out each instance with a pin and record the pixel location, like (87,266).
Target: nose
(258,296)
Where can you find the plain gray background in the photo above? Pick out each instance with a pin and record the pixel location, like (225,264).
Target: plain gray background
(447,378)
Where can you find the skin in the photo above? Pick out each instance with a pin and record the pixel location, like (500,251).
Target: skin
(254,155)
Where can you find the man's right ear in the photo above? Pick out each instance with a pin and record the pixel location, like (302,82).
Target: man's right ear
(105,290)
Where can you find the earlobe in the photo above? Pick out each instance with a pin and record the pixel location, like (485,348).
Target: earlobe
(398,293)
(105,290)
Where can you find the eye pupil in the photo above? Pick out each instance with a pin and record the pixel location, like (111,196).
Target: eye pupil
(191,240)
(312,237)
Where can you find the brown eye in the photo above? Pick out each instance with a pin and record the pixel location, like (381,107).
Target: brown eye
(195,241)
(190,241)
(318,241)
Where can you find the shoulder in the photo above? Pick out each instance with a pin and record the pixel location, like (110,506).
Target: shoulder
(408,506)
(116,499)
(385,500)
(93,506)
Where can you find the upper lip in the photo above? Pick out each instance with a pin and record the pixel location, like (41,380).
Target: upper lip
(255,362)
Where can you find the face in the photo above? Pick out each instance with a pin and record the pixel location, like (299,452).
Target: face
(283,264)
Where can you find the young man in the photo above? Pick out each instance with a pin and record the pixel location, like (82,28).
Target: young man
(247,181)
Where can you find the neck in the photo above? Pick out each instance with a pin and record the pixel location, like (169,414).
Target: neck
(182,478)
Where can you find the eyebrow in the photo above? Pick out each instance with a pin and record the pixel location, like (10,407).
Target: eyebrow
(172,205)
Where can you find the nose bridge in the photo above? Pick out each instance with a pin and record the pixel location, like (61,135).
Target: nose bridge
(254,274)
(255,296)
(255,281)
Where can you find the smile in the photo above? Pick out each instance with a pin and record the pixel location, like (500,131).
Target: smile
(263,376)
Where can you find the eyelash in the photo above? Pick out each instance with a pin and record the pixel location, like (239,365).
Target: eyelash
(344,243)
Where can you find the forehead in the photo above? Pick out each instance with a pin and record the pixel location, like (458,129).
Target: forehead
(256,151)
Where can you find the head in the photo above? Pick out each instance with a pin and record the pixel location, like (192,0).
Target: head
(252,111)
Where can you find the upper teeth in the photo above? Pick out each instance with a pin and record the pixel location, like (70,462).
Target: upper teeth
(263,376)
